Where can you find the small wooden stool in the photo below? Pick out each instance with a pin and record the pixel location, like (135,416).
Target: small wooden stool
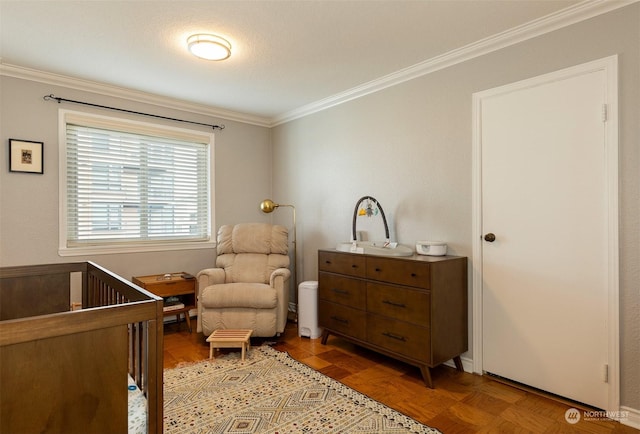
(230,338)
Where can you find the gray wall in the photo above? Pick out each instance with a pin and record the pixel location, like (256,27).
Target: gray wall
(29,203)
(410,147)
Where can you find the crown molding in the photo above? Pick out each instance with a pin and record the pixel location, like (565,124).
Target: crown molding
(566,17)
(129,94)
(563,18)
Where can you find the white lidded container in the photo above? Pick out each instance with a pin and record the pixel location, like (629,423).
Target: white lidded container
(431,248)
(308,310)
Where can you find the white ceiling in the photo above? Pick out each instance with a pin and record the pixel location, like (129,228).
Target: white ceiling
(286,54)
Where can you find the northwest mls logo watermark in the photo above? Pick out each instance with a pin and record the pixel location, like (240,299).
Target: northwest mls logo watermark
(574,416)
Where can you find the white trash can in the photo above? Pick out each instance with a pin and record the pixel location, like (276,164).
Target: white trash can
(308,310)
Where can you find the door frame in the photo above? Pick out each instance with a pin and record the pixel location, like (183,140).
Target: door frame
(610,113)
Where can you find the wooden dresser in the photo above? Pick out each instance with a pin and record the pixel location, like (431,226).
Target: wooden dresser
(412,308)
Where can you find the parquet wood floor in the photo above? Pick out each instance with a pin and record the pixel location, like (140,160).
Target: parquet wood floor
(459,403)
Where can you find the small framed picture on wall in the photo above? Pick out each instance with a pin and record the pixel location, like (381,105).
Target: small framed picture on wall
(25,156)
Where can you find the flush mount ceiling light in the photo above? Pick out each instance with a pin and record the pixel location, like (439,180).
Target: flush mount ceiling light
(209,47)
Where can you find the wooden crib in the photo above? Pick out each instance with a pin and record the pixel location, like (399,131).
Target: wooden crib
(64,370)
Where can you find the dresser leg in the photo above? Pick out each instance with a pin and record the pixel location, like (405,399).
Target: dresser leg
(325,336)
(426,376)
(458,363)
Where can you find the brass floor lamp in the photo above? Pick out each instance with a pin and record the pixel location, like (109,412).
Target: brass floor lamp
(268,206)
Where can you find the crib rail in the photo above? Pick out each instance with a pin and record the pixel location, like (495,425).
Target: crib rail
(35,314)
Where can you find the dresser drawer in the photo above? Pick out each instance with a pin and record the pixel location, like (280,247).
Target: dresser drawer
(342,290)
(410,273)
(399,337)
(342,319)
(341,263)
(410,305)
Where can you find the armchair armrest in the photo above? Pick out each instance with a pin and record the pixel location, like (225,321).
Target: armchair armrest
(279,280)
(207,277)
(210,276)
(284,273)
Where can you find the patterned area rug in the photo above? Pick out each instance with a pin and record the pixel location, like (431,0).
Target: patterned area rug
(271,393)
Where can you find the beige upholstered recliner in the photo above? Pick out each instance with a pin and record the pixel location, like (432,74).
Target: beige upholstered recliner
(249,289)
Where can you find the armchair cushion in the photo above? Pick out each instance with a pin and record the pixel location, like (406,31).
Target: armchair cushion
(253,238)
(250,267)
(251,252)
(245,295)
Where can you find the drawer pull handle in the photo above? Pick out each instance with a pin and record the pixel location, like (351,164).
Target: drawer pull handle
(340,291)
(396,337)
(354,266)
(327,262)
(342,320)
(394,304)
(413,274)
(378,269)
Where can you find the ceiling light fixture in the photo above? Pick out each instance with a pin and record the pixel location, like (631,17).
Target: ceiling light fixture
(209,47)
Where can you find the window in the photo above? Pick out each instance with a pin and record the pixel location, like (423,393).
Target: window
(132,186)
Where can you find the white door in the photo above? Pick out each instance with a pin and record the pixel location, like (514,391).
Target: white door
(544,197)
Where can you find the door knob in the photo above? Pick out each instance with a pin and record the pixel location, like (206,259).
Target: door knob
(490,237)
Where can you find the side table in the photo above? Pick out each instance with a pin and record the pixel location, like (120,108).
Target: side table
(172,285)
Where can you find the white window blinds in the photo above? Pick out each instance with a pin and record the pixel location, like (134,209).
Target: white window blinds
(124,187)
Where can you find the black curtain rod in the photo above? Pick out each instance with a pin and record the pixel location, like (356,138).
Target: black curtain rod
(56,98)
